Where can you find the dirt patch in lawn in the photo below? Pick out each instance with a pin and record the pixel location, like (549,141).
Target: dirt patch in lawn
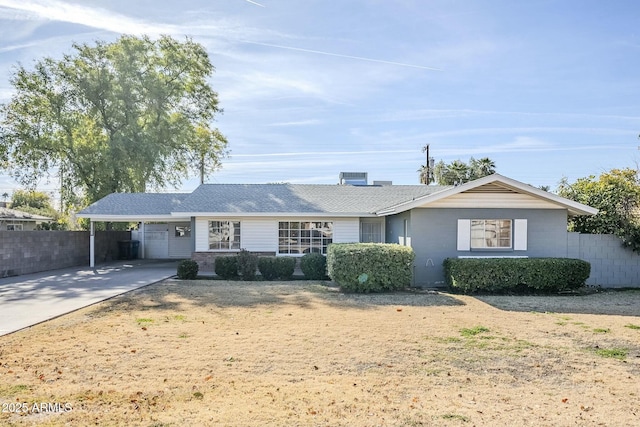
(301,353)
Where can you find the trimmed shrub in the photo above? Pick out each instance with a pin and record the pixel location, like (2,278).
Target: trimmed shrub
(314,266)
(285,266)
(247,265)
(272,267)
(515,275)
(370,267)
(267,267)
(188,269)
(226,267)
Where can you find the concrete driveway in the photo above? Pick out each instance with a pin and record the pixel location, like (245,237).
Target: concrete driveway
(33,298)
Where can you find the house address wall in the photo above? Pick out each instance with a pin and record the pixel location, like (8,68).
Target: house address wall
(23,252)
(612,265)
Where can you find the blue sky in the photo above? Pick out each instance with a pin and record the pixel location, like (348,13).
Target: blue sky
(546,88)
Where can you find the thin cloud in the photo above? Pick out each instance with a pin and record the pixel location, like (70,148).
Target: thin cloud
(541,129)
(426,114)
(253,2)
(297,123)
(83,15)
(360,58)
(324,153)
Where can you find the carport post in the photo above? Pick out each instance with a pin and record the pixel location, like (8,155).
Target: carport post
(142,242)
(92,245)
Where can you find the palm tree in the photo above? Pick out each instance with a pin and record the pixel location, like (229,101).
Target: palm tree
(459,171)
(482,167)
(424,174)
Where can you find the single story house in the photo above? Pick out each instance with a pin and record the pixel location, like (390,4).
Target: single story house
(15,220)
(492,216)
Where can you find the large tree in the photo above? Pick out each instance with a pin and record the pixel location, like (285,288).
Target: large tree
(616,194)
(128,116)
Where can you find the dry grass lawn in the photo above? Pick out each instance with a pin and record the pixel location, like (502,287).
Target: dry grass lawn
(209,353)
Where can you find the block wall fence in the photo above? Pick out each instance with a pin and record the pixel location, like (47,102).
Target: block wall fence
(24,252)
(612,265)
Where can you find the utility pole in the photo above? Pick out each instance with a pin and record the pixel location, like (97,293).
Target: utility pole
(429,165)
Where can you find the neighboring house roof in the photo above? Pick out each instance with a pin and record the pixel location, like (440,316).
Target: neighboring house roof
(310,200)
(295,199)
(16,215)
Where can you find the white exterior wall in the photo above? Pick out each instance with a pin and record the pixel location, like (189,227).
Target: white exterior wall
(261,234)
(202,234)
(346,230)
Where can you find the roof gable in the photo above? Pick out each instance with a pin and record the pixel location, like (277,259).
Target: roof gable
(494,191)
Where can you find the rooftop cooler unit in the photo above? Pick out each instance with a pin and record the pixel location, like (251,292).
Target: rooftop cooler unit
(353,178)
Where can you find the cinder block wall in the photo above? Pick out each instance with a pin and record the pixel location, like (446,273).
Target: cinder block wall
(23,252)
(612,265)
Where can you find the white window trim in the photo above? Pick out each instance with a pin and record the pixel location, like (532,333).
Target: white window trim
(497,237)
(519,236)
(187,231)
(297,254)
(230,250)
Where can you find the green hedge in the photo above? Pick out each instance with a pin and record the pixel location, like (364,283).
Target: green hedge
(267,267)
(285,266)
(520,275)
(370,267)
(247,265)
(314,266)
(188,269)
(226,267)
(272,267)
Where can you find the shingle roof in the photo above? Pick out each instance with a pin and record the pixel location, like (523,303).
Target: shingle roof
(6,213)
(299,198)
(292,199)
(136,204)
(261,198)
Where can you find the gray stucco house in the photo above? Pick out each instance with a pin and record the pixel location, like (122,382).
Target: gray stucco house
(491,216)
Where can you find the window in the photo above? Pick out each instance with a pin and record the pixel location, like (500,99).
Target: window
(371,232)
(300,237)
(490,233)
(183,231)
(224,235)
(14,227)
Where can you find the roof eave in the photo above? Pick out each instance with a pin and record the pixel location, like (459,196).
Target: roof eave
(130,218)
(276,214)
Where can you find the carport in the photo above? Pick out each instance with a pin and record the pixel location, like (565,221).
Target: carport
(161,234)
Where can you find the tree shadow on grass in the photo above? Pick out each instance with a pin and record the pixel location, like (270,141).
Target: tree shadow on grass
(412,298)
(173,294)
(619,303)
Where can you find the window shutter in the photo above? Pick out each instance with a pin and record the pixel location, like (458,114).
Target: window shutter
(519,234)
(464,234)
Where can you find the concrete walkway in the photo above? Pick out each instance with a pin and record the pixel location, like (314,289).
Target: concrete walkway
(33,298)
